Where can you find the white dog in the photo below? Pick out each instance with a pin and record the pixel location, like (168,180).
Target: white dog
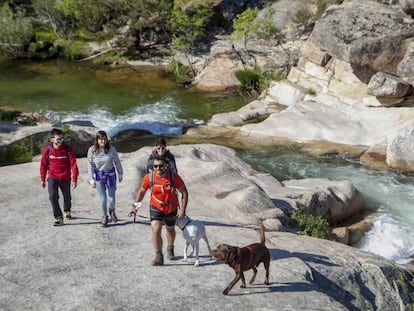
(193,231)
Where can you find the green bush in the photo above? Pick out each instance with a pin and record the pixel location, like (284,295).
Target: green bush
(71,49)
(183,74)
(302,16)
(249,79)
(271,75)
(254,81)
(15,32)
(6,115)
(45,34)
(311,225)
(18,152)
(320,8)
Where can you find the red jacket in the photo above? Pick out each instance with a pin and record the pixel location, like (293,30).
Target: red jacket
(58,163)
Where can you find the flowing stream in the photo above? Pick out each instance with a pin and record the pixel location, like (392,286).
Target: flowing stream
(147,99)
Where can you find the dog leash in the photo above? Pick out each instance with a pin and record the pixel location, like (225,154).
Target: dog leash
(134,213)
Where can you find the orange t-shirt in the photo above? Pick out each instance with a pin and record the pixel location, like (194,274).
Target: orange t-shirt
(163,196)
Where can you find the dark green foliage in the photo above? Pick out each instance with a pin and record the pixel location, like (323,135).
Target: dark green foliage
(254,81)
(18,152)
(320,8)
(6,115)
(15,32)
(183,74)
(265,28)
(249,79)
(406,284)
(244,25)
(303,16)
(188,23)
(310,225)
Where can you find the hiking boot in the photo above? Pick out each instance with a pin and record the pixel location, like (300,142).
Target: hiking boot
(158,260)
(170,252)
(113,216)
(58,222)
(68,214)
(104,221)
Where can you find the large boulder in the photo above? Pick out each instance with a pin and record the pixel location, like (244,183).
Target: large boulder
(400,147)
(335,201)
(366,34)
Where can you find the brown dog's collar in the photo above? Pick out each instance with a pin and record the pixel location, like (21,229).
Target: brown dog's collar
(237,263)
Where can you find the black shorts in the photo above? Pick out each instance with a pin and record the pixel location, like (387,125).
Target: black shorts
(168,219)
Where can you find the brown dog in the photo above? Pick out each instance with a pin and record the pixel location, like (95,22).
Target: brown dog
(243,259)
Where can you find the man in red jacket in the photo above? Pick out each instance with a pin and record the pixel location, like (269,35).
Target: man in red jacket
(58,163)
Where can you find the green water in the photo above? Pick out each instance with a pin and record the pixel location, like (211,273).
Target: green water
(76,88)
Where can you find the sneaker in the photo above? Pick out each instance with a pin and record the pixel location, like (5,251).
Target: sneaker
(158,260)
(58,222)
(104,221)
(170,252)
(113,216)
(68,215)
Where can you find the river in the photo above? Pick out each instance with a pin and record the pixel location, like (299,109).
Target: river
(147,99)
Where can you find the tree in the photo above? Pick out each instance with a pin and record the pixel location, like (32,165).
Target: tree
(15,32)
(188,23)
(58,16)
(244,25)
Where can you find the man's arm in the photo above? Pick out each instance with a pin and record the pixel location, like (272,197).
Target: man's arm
(184,200)
(139,196)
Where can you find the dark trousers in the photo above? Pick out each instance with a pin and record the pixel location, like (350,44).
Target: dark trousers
(53,186)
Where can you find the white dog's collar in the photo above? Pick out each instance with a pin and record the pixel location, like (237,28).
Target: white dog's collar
(184,224)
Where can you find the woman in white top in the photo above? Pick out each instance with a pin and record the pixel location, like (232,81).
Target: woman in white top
(103,159)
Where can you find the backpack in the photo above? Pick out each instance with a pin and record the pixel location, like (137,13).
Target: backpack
(173,189)
(170,178)
(168,159)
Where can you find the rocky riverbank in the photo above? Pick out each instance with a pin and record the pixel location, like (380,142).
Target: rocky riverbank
(84,266)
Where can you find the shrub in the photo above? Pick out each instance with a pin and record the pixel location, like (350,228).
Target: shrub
(71,49)
(9,115)
(310,91)
(254,81)
(15,32)
(18,152)
(302,16)
(320,8)
(183,74)
(250,79)
(311,225)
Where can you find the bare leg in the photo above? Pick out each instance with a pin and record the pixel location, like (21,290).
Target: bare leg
(156,235)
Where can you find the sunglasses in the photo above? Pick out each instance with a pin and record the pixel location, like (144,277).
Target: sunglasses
(158,166)
(60,140)
(160,148)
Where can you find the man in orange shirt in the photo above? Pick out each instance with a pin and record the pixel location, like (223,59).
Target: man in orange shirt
(164,206)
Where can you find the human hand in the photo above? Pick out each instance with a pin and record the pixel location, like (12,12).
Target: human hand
(134,208)
(181,213)
(120,178)
(74,184)
(92,183)
(43,184)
